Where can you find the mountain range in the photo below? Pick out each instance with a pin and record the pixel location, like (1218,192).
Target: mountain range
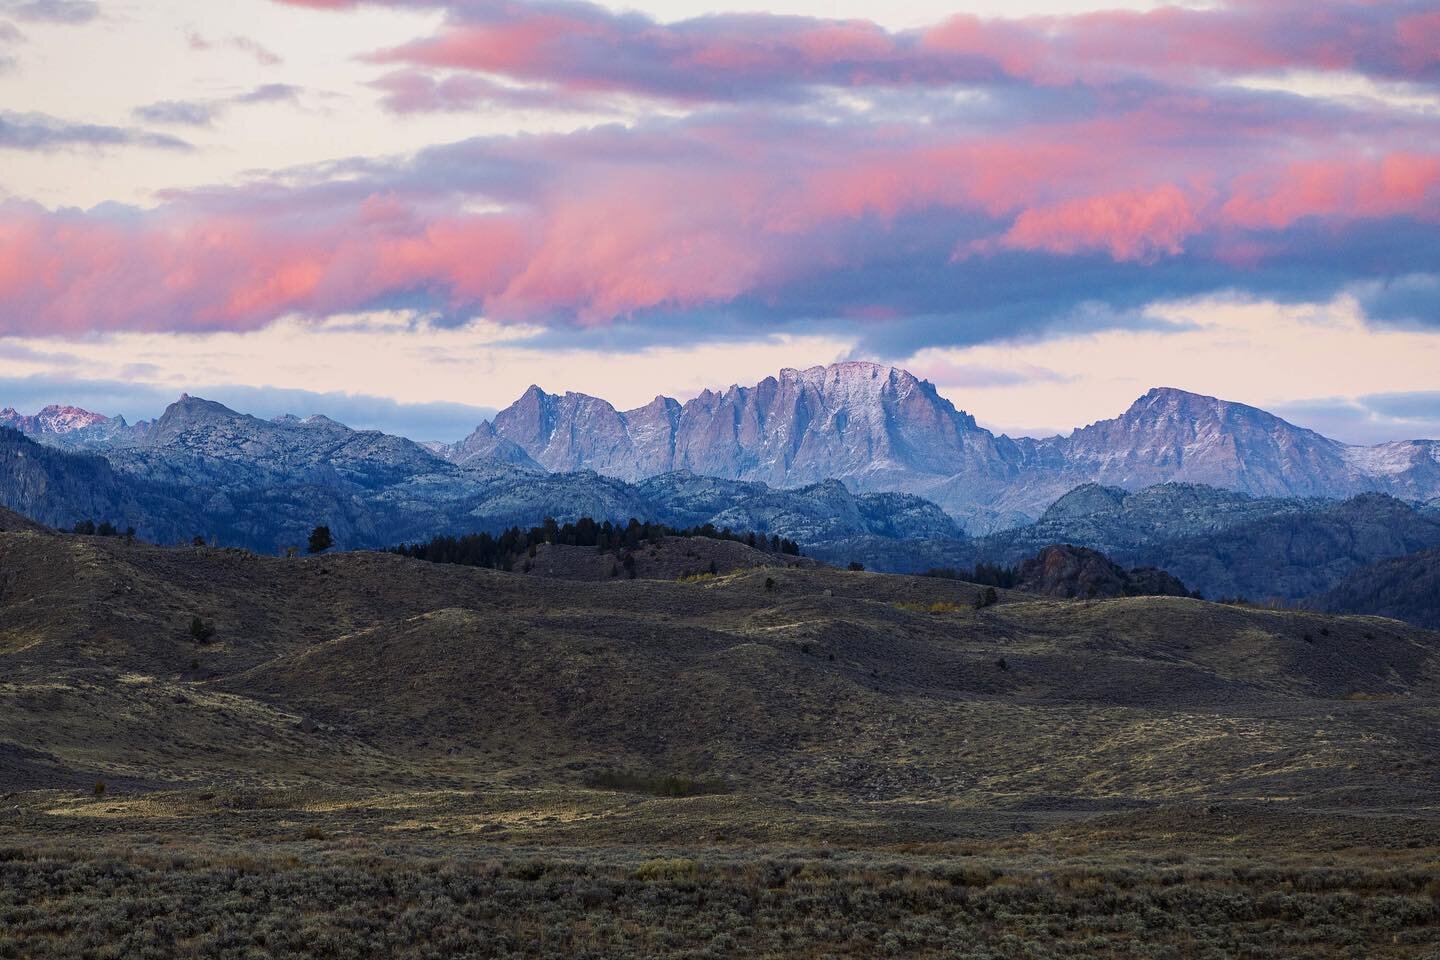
(205,470)
(880,428)
(1221,543)
(854,461)
(876,428)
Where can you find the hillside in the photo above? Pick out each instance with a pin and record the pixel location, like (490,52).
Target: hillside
(12,522)
(392,659)
(1062,570)
(1405,588)
(670,559)
(1221,543)
(363,743)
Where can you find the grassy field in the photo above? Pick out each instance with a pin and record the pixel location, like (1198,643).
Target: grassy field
(378,757)
(271,875)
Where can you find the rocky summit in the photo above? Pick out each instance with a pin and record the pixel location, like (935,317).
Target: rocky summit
(873,428)
(879,428)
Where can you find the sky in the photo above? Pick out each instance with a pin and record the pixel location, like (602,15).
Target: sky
(401,213)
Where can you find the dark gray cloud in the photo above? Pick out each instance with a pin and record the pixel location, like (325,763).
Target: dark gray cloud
(1375,418)
(39,132)
(1407,300)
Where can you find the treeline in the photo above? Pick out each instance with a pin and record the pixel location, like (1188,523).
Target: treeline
(985,574)
(500,551)
(89,528)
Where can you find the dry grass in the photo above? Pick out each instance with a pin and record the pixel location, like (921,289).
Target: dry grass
(376,757)
(58,902)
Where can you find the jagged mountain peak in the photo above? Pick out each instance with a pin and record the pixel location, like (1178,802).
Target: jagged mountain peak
(1176,404)
(879,427)
(188,404)
(660,404)
(876,427)
(863,375)
(54,420)
(188,412)
(802,426)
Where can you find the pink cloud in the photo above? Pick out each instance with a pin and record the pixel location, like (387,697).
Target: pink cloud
(1396,184)
(584,47)
(416,91)
(69,273)
(644,239)
(1132,225)
(731,205)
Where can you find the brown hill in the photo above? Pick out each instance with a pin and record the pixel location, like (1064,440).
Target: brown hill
(12,522)
(1062,570)
(1406,588)
(363,668)
(363,755)
(670,559)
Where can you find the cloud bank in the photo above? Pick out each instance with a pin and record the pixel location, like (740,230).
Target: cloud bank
(974,180)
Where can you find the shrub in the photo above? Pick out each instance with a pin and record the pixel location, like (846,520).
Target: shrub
(201,631)
(320,540)
(987,599)
(657,785)
(668,870)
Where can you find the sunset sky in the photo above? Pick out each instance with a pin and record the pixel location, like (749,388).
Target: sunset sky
(401,213)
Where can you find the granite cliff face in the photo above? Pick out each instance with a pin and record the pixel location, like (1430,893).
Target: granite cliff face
(1169,434)
(878,428)
(862,422)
